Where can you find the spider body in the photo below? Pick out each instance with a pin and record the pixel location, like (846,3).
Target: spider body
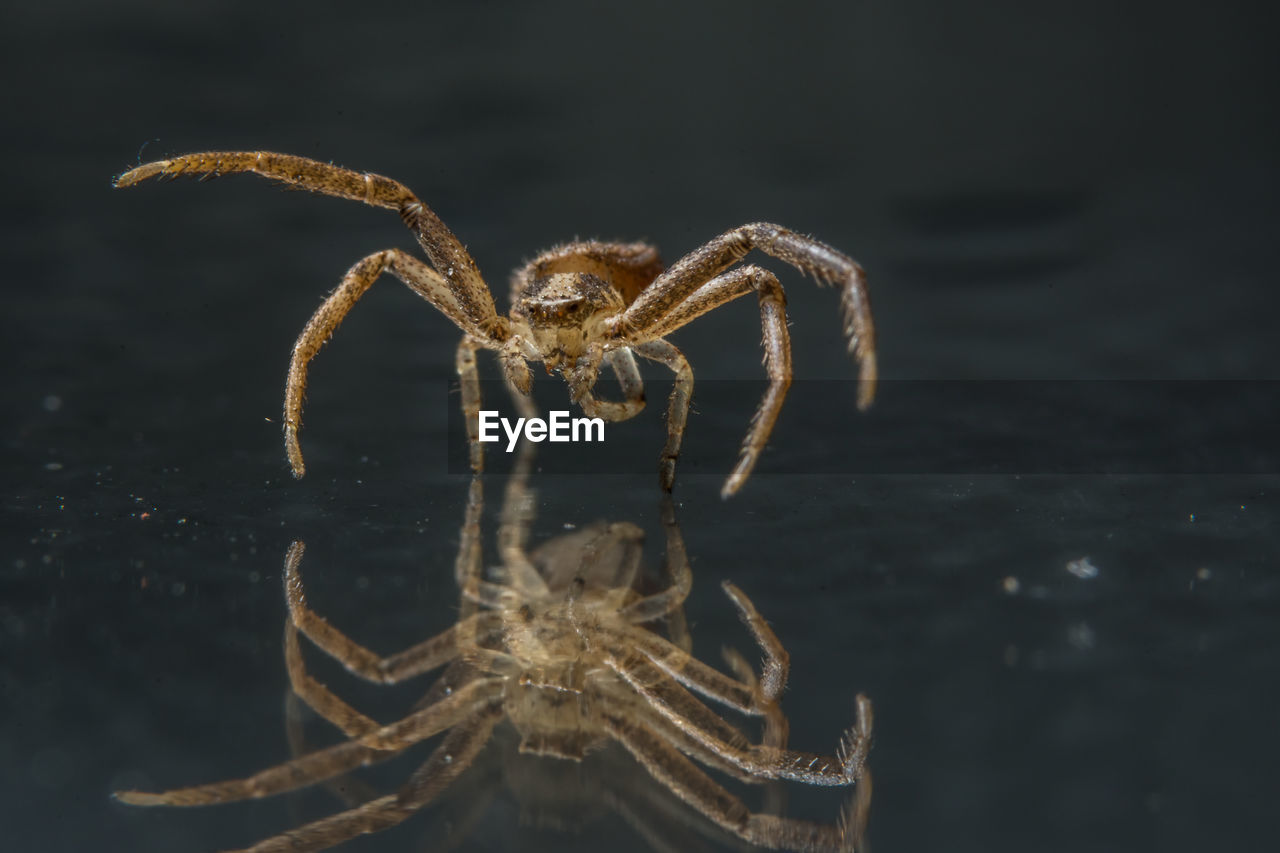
(576,308)
(552,700)
(556,317)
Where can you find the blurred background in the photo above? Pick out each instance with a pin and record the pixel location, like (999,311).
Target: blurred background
(1048,553)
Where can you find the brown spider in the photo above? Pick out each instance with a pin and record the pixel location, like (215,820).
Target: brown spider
(552,640)
(574,308)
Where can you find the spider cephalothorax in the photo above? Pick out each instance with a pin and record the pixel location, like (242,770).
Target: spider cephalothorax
(556,318)
(576,308)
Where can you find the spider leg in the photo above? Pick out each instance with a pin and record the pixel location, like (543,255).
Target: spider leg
(687,669)
(679,707)
(417,659)
(499,597)
(623,363)
(666,764)
(696,721)
(476,591)
(317,696)
(655,818)
(660,810)
(455,676)
(446,252)
(446,763)
(777,663)
(517,570)
(816,259)
(644,651)
(518,511)
(374,746)
(777,350)
(349,790)
(419,277)
(638,710)
(744,697)
(776,727)
(676,564)
(392,669)
(469,379)
(854,816)
(331,707)
(469,382)
(678,629)
(468,562)
(468,801)
(677,407)
(668,601)
(518,501)
(291,775)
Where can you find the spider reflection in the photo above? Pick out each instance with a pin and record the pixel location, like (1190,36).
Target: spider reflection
(560,641)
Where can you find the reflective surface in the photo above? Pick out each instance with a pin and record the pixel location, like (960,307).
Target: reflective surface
(1073,193)
(582,651)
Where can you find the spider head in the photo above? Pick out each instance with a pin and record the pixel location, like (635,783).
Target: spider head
(564,312)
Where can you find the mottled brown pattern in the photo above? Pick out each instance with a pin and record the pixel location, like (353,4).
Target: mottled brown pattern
(575,308)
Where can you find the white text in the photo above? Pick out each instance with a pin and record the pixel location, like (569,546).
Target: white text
(559,427)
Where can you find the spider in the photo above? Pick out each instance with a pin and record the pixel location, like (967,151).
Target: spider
(553,640)
(575,308)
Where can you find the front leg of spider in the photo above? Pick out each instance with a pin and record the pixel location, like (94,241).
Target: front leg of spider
(451,281)
(703,280)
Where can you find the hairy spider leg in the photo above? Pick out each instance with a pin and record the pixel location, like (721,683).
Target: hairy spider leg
(446,763)
(420,658)
(777,662)
(689,671)
(679,576)
(582,380)
(698,282)
(420,278)
(666,763)
(417,659)
(446,252)
(821,262)
(469,383)
(777,729)
(683,710)
(373,746)
(349,789)
(777,360)
(665,353)
(455,286)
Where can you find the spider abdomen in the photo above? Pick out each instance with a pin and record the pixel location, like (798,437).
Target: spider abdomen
(553,718)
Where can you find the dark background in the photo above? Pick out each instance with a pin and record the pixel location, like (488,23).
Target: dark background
(1040,192)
